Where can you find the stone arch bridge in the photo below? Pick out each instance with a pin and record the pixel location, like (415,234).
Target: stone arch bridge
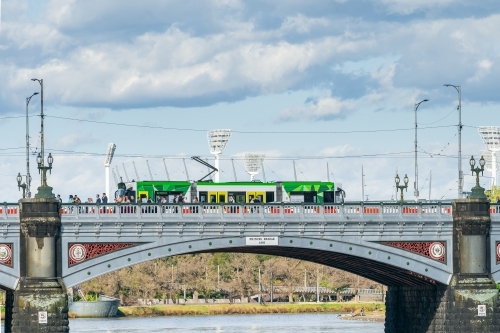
(408,247)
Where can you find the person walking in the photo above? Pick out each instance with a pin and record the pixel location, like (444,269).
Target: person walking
(97,199)
(104,198)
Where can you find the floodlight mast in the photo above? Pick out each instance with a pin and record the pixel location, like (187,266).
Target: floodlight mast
(491,139)
(488,166)
(107,162)
(217,141)
(253,162)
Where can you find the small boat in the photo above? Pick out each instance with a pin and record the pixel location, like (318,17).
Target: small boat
(105,307)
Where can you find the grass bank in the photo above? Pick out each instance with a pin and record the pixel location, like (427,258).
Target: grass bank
(223,309)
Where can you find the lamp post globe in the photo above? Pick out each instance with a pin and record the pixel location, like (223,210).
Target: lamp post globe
(401,187)
(39,161)
(477,191)
(50,159)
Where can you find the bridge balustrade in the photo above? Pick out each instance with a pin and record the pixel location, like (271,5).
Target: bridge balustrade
(273,211)
(10,211)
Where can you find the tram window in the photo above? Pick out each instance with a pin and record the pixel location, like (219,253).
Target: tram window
(310,196)
(329,196)
(222,198)
(203,196)
(213,198)
(269,196)
(239,197)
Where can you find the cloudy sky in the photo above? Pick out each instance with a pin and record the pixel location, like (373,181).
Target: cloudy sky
(313,82)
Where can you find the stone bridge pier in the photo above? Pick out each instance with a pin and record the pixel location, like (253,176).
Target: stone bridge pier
(469,303)
(39,303)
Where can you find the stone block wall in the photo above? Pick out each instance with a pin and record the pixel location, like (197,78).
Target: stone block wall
(441,309)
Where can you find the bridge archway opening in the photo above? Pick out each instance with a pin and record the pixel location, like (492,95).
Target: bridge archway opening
(376,271)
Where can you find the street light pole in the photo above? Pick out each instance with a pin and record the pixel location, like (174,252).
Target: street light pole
(42,149)
(460,173)
(28,176)
(415,184)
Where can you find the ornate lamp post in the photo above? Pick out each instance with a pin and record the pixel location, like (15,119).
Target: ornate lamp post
(44,191)
(401,187)
(477,191)
(21,186)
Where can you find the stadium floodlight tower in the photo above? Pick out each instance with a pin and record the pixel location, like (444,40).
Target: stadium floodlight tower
(253,162)
(107,163)
(488,166)
(491,138)
(217,141)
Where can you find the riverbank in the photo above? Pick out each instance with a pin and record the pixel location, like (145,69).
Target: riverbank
(371,310)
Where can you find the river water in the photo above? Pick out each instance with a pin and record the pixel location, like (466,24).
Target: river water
(261,323)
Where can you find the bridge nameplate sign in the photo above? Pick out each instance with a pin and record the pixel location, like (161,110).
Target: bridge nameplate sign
(261,240)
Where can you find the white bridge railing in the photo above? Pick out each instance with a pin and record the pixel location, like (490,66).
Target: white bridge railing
(264,211)
(10,211)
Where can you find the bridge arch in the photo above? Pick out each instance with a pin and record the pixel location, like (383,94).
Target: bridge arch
(373,260)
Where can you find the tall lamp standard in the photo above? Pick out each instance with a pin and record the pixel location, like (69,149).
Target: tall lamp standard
(23,186)
(42,149)
(28,176)
(401,187)
(415,184)
(477,191)
(460,173)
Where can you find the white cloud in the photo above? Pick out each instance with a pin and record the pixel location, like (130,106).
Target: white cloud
(483,68)
(326,108)
(337,150)
(406,7)
(76,140)
(303,24)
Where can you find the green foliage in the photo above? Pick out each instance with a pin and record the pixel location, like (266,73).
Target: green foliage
(92,296)
(220,259)
(498,286)
(263,257)
(493,194)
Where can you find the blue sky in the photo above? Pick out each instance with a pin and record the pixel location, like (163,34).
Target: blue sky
(316,82)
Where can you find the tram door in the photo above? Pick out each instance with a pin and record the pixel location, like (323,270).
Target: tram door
(260,195)
(142,196)
(217,197)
